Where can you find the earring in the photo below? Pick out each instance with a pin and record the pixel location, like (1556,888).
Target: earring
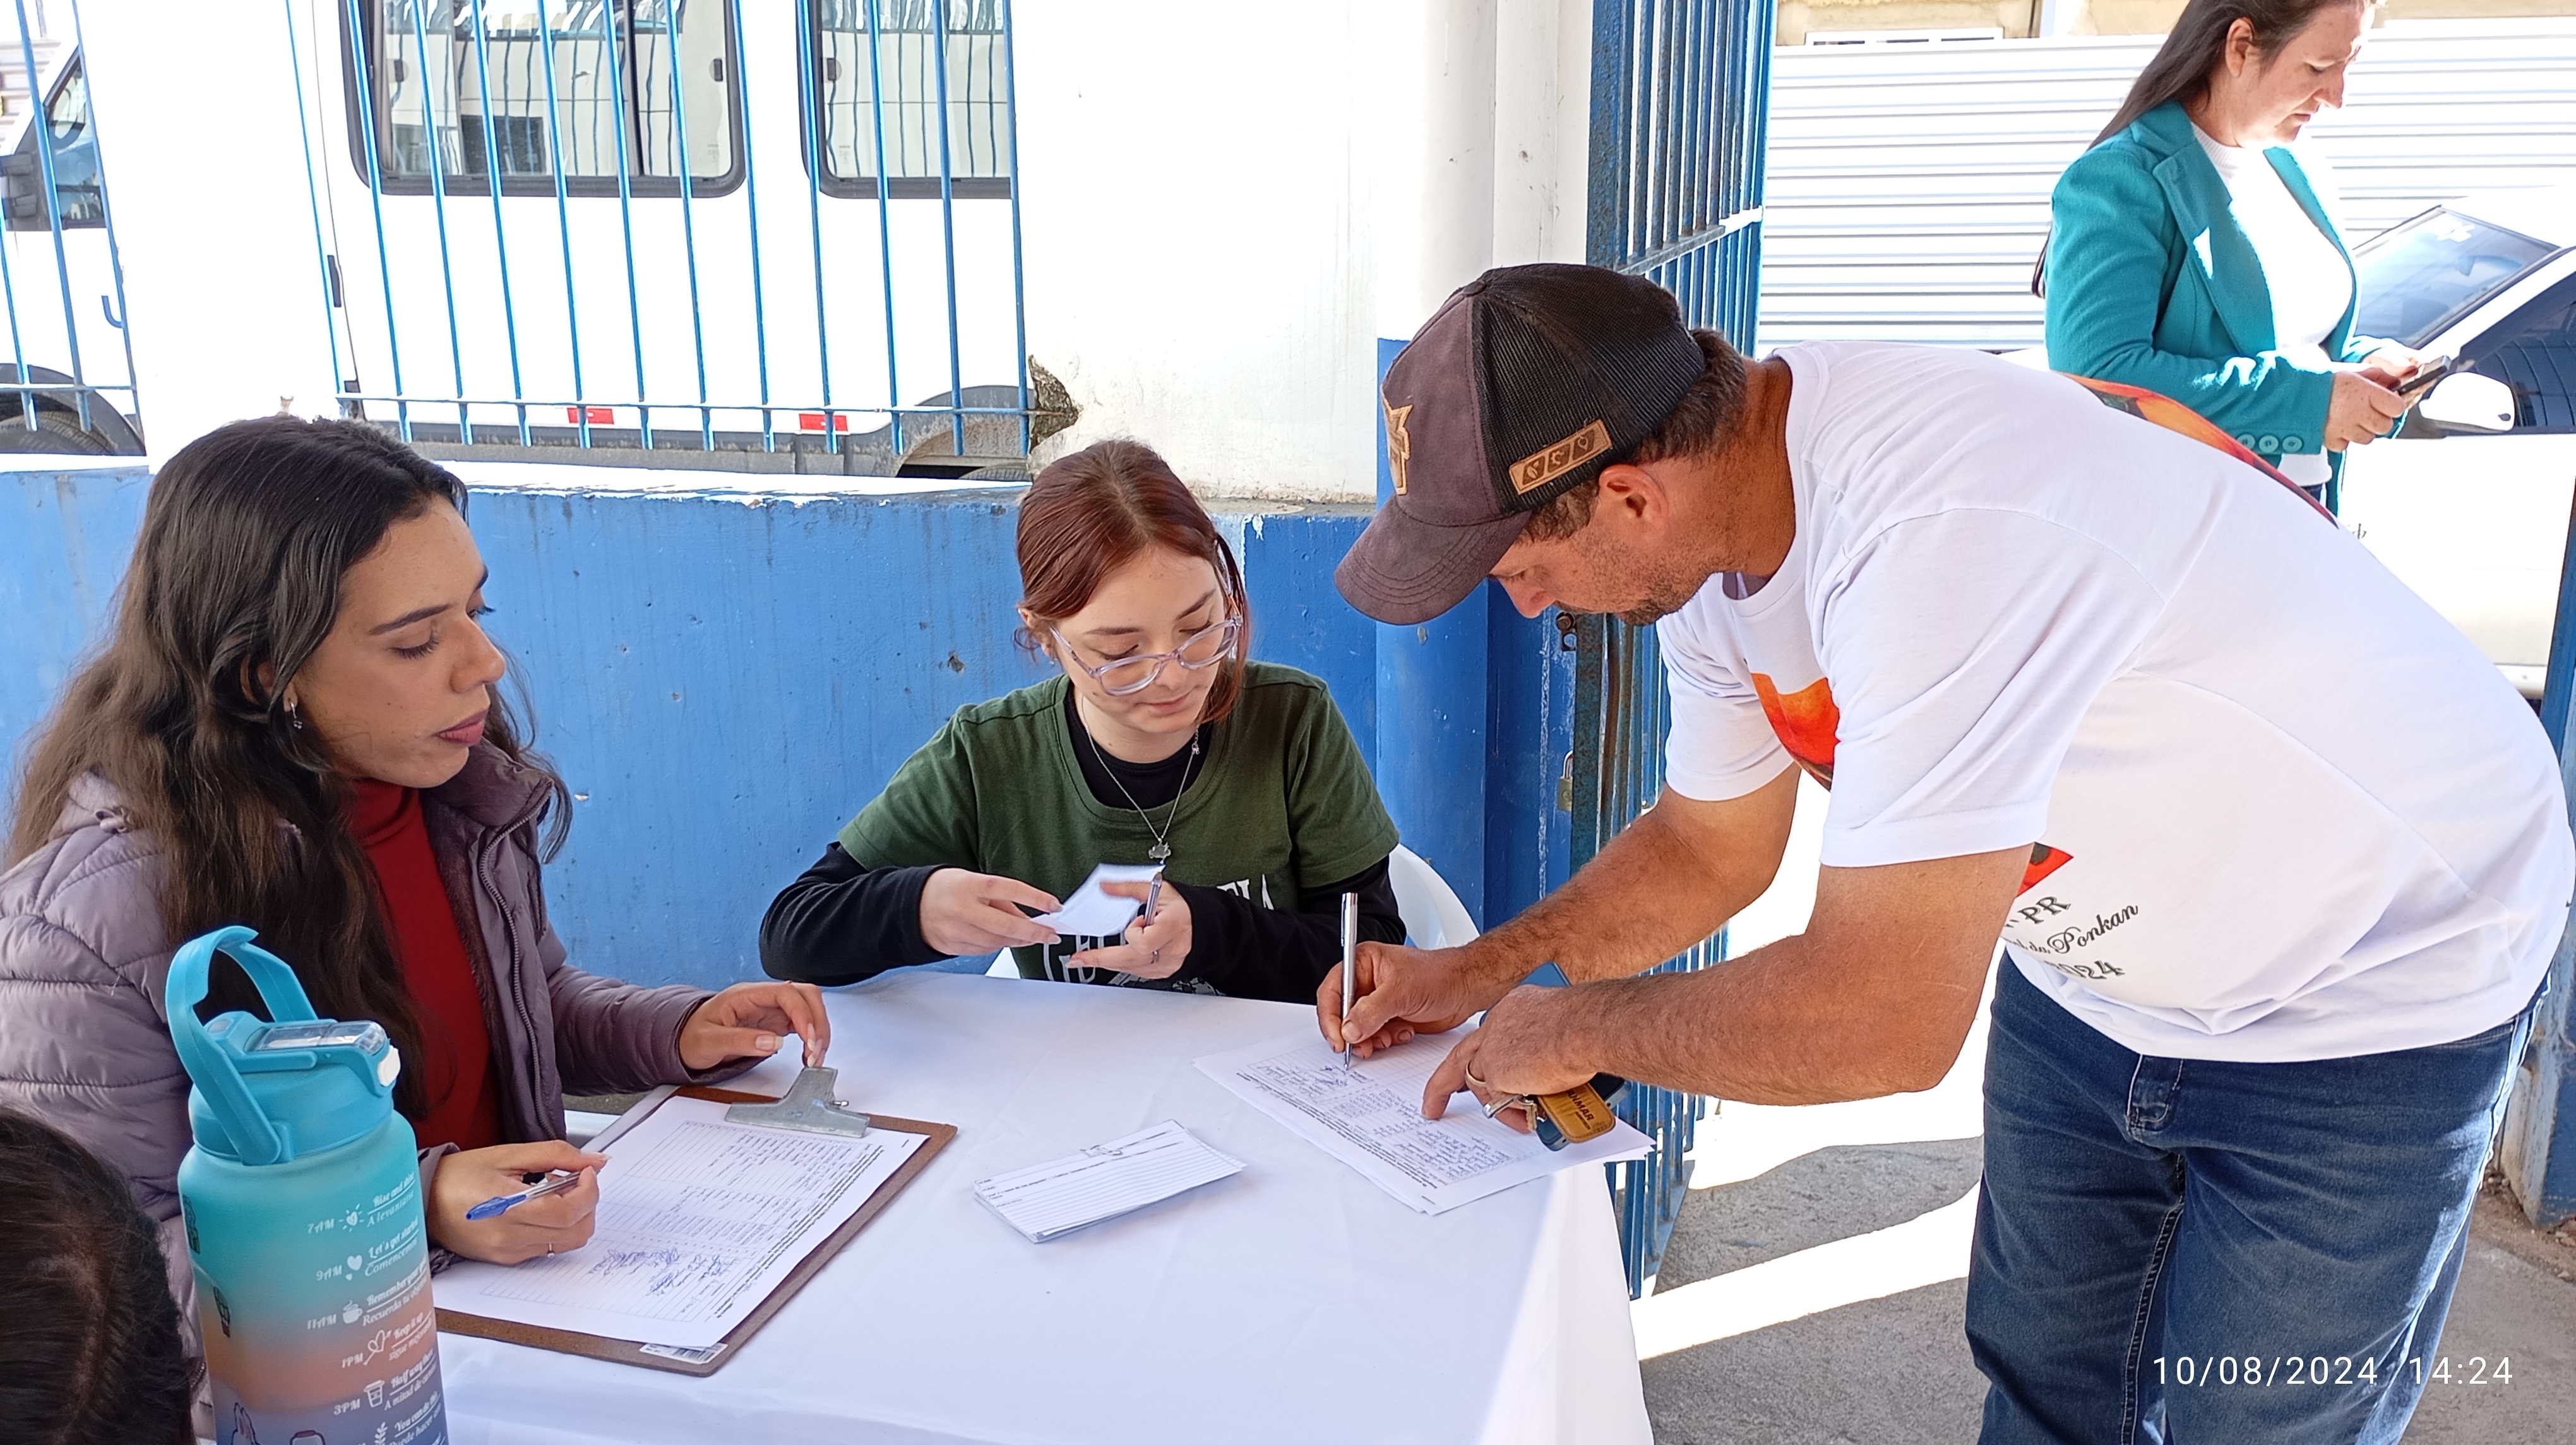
(294,718)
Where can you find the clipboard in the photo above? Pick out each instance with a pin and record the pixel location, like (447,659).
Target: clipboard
(707,1361)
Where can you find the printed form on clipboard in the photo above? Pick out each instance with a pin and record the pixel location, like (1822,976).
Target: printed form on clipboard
(700,1220)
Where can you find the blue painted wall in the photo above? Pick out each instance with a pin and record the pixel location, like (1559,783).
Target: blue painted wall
(724,678)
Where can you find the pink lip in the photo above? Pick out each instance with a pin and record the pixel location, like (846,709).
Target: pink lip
(467,733)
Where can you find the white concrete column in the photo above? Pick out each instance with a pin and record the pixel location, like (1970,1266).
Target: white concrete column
(1433,156)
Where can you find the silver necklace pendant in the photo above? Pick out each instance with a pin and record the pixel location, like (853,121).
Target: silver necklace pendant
(1159,851)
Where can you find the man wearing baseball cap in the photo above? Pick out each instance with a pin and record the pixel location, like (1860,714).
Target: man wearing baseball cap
(2277,859)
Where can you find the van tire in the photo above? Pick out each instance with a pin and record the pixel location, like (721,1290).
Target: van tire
(57,433)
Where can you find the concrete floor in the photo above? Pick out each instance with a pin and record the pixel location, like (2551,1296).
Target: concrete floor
(1818,1295)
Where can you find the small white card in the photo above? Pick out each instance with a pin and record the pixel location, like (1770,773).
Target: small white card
(1090,913)
(1047,1201)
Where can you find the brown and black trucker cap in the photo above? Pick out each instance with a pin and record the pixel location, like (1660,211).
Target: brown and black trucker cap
(1524,384)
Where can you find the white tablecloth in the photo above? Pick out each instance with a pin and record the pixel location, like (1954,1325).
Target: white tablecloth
(1293,1302)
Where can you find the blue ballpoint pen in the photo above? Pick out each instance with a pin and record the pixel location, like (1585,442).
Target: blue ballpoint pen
(502,1203)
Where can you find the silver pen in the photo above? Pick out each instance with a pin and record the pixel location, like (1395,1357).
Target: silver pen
(1350,964)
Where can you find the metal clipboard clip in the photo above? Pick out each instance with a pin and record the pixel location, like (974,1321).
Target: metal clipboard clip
(808,1105)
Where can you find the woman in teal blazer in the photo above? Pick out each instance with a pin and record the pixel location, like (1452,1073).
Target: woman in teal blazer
(2156,271)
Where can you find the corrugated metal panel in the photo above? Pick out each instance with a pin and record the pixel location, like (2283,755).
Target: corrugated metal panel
(1908,186)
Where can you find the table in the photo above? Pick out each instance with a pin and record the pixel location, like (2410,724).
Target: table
(1293,1302)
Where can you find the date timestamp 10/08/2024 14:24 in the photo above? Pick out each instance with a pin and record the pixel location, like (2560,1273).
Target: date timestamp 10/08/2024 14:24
(2192,1371)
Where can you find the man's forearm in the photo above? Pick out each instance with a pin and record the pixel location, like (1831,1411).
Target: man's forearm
(1781,1025)
(1653,891)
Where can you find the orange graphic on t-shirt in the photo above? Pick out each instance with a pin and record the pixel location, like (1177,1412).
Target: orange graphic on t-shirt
(1808,724)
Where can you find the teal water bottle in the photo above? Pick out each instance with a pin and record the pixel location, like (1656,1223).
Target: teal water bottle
(302,1201)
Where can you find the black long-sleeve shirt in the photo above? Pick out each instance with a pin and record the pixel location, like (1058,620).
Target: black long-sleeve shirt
(841,922)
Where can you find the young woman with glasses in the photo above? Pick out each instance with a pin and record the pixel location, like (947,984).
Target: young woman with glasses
(1156,743)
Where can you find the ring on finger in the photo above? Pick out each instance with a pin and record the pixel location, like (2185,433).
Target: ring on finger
(1477,1082)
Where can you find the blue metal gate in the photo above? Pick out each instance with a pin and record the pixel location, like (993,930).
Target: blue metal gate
(68,385)
(1680,92)
(715,226)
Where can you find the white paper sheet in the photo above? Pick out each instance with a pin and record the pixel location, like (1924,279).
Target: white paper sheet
(1090,913)
(1050,1200)
(698,1221)
(1370,1117)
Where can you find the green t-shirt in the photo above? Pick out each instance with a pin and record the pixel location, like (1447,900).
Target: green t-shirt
(1281,804)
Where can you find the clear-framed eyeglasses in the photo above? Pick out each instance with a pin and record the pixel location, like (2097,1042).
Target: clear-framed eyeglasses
(1204,648)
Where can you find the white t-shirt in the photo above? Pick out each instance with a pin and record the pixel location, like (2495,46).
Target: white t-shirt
(2282,809)
(2310,283)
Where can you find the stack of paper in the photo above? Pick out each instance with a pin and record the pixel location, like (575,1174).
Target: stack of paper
(1369,1116)
(1104,1181)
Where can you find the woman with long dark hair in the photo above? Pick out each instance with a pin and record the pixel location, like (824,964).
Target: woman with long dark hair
(2193,255)
(296,726)
(1155,743)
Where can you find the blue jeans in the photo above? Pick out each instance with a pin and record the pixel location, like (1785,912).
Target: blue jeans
(2205,1253)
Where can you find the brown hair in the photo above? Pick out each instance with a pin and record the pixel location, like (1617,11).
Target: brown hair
(1700,424)
(2198,42)
(247,536)
(1090,512)
(89,1336)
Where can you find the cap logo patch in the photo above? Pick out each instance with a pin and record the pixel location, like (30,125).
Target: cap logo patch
(1399,445)
(1551,462)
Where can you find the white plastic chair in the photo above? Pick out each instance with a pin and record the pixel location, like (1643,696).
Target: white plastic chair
(1429,906)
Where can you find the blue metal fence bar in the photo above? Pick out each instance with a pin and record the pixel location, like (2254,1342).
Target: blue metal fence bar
(438,207)
(671,12)
(628,103)
(1678,96)
(2539,1144)
(751,181)
(563,218)
(492,177)
(714,403)
(312,199)
(17,343)
(885,222)
(42,124)
(358,56)
(817,142)
(947,222)
(1019,283)
(115,256)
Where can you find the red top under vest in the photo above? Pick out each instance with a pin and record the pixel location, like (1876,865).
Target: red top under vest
(457,1079)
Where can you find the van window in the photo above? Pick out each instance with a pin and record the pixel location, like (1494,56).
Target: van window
(463,84)
(78,200)
(860,47)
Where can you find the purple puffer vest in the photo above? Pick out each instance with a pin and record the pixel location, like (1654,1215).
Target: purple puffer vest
(85,1046)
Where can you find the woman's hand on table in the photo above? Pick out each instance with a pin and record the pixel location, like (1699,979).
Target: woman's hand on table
(963,913)
(1154,947)
(552,1225)
(749,1020)
(2360,410)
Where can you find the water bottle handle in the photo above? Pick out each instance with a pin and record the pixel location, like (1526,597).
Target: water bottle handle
(259,1141)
